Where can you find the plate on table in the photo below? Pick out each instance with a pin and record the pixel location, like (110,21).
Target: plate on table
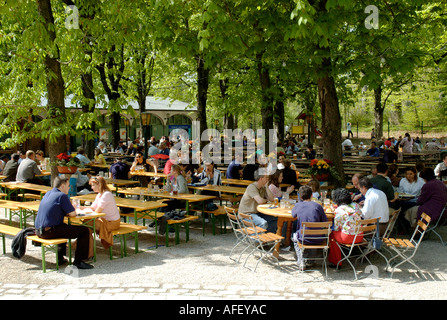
(268,206)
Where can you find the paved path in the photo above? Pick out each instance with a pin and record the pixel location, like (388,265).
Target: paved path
(175,291)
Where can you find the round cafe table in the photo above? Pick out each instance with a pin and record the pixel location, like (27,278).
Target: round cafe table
(285,215)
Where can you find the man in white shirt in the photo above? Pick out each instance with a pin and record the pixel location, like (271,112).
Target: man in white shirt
(347,144)
(441,166)
(376,204)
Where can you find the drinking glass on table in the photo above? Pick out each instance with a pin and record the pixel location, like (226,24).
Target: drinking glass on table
(76,203)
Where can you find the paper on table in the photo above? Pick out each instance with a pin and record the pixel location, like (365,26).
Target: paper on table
(85,211)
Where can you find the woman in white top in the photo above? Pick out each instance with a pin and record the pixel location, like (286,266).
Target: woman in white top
(411,184)
(104,202)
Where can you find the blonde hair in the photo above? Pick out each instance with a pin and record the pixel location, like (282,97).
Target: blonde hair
(101,182)
(315,185)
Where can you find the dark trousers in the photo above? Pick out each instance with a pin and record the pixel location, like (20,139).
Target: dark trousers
(80,233)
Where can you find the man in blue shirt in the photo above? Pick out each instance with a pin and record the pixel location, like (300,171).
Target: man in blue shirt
(234,170)
(373,151)
(49,224)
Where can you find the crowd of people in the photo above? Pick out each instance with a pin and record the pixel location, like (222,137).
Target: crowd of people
(372,196)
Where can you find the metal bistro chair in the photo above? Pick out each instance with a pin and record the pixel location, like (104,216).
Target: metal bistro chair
(262,243)
(439,223)
(406,249)
(317,233)
(368,229)
(239,231)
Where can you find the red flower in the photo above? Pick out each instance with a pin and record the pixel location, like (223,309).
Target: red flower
(63,156)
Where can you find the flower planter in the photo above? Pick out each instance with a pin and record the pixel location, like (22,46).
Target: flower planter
(321,177)
(65,169)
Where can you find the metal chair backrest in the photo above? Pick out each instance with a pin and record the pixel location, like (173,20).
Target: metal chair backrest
(391,223)
(316,232)
(419,231)
(234,220)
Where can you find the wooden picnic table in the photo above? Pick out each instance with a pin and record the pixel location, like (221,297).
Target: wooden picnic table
(222,189)
(13,185)
(120,182)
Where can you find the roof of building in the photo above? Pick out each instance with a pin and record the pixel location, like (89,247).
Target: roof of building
(152,104)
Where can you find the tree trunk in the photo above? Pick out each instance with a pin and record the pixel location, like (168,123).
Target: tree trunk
(202,94)
(331,120)
(54,83)
(87,91)
(266,100)
(378,112)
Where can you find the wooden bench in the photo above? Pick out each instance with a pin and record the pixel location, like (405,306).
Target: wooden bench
(31,196)
(46,244)
(122,232)
(14,210)
(219,214)
(176,224)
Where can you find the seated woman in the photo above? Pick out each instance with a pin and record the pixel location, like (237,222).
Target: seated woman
(432,199)
(179,184)
(412,185)
(104,202)
(305,211)
(274,185)
(315,185)
(346,216)
(141,164)
(99,157)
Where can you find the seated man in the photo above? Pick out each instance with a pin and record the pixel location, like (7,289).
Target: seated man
(258,193)
(10,170)
(28,169)
(54,206)
(381,182)
(375,205)
(440,167)
(305,211)
(373,151)
(310,153)
(120,170)
(357,196)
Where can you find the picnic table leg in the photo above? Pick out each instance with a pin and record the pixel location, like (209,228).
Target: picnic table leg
(203,218)
(4,245)
(42,247)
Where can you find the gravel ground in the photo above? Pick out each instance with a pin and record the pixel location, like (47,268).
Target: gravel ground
(201,269)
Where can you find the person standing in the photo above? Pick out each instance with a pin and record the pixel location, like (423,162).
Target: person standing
(53,208)
(407,143)
(350,134)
